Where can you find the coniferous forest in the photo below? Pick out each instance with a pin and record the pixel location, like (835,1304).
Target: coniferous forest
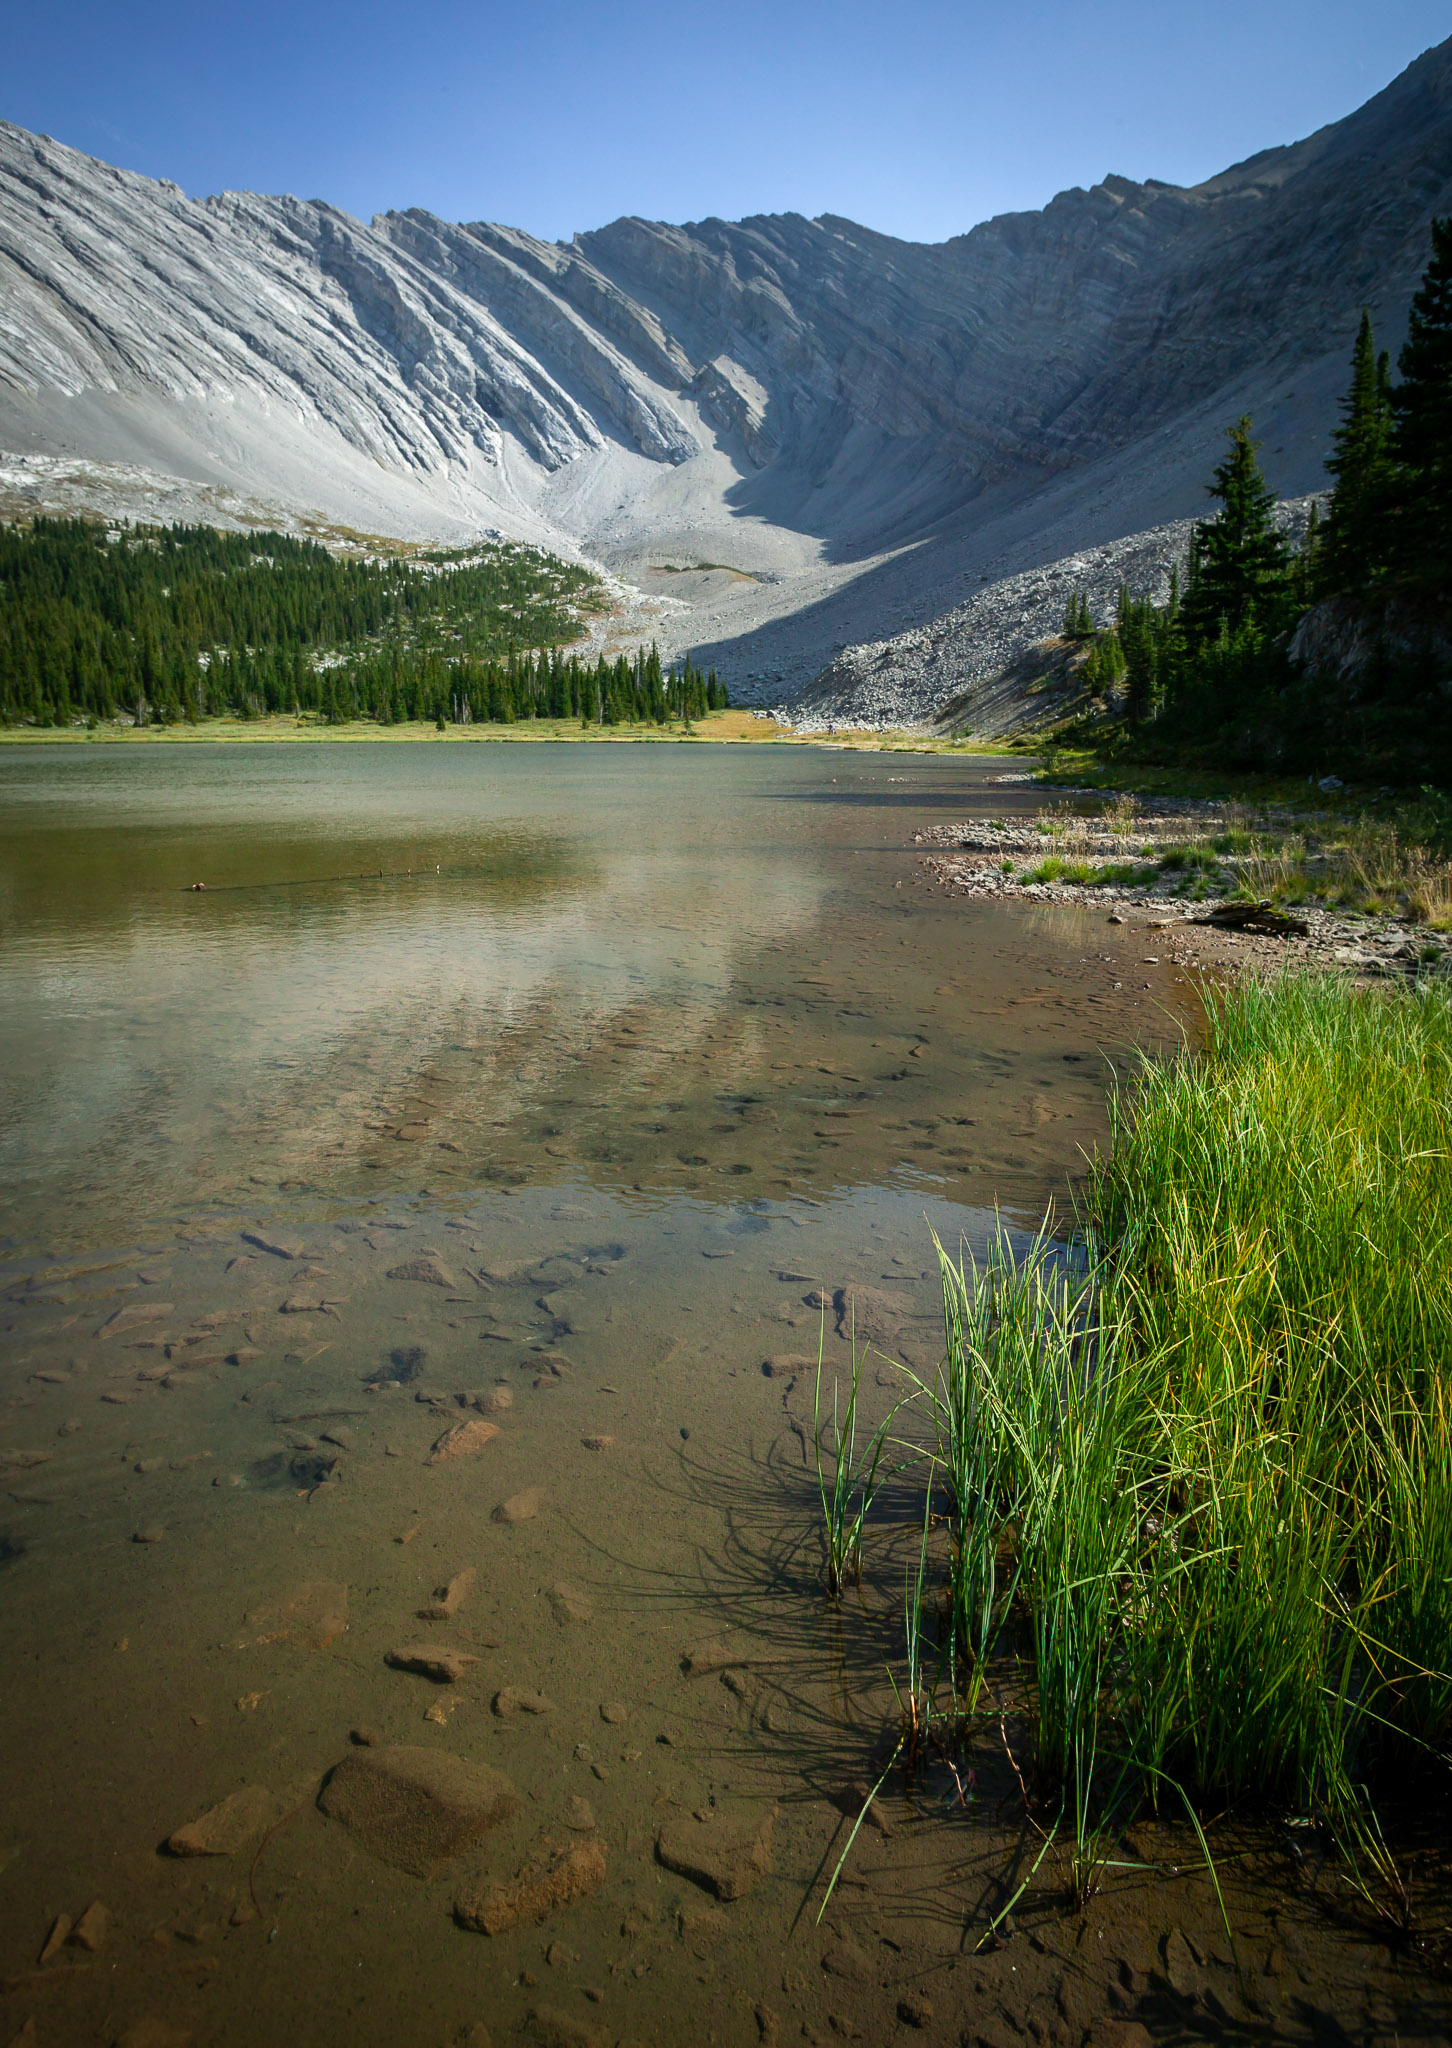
(172,625)
(1222,672)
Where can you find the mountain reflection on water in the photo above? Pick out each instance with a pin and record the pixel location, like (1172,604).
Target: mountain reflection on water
(443,964)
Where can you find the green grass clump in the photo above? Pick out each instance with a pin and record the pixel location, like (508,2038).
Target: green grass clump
(1206,1481)
(1280,1216)
(847,1481)
(1190,860)
(1090,874)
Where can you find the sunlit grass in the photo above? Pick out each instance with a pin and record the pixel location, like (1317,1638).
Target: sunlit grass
(1190,860)
(1203,1483)
(1090,874)
(1360,864)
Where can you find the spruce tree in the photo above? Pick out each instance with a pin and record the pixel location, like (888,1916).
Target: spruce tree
(1239,560)
(1352,550)
(1421,526)
(1104,669)
(1137,630)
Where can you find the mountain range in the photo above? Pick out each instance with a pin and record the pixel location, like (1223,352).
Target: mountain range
(788,435)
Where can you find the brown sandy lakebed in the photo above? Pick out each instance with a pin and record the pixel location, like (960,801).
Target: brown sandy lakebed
(417,1248)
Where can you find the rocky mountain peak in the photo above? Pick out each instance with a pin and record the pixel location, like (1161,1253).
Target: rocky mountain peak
(792,397)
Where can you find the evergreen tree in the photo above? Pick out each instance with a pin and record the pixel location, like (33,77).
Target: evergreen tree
(1353,548)
(1139,629)
(1240,564)
(1421,526)
(1104,669)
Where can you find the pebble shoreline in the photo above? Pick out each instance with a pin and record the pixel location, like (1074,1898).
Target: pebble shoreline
(1371,947)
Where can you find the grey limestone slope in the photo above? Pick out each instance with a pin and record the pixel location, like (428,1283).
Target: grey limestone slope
(849,423)
(260,327)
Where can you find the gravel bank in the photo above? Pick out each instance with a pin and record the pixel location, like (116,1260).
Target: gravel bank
(985,857)
(989,666)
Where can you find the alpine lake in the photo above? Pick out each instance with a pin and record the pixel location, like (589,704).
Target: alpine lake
(418,1245)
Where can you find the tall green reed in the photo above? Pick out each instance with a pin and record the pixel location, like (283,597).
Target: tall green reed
(847,1484)
(1208,1477)
(1280,1213)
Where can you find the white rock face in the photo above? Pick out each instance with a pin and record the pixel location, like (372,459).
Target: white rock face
(851,424)
(385,335)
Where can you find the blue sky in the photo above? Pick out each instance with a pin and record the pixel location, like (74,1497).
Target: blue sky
(918,118)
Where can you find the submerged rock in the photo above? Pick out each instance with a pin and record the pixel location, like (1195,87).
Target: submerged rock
(514,1699)
(520,1507)
(55,1941)
(278,1249)
(150,2031)
(722,1653)
(134,1315)
(1182,1966)
(428,1269)
(309,1470)
(849,1960)
(536,1892)
(434,1660)
(788,1365)
(569,1606)
(462,1441)
(870,1314)
(91,1929)
(416,1808)
(311,1616)
(726,1855)
(452,1597)
(404,1365)
(548,2027)
(228,1826)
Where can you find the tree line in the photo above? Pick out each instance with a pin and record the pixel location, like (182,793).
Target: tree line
(183,623)
(634,690)
(1212,670)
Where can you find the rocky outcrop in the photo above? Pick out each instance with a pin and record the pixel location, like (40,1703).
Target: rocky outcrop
(1347,642)
(734,401)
